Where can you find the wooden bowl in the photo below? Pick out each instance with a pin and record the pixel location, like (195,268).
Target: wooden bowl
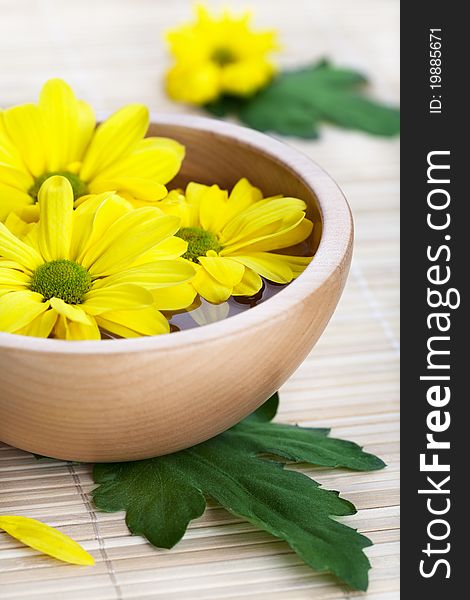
(129,399)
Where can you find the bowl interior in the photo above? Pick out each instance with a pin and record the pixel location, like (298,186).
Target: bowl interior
(212,157)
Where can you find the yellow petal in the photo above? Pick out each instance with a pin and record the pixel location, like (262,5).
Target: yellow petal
(73,331)
(177,297)
(41,326)
(55,222)
(249,285)
(155,159)
(285,238)
(25,127)
(66,122)
(12,199)
(263,218)
(18,309)
(73,313)
(29,213)
(267,265)
(114,139)
(158,274)
(13,279)
(127,238)
(11,248)
(142,189)
(19,179)
(193,83)
(46,539)
(226,271)
(91,221)
(209,288)
(86,127)
(9,153)
(134,323)
(171,248)
(116,297)
(213,206)
(18,226)
(245,77)
(279,268)
(242,196)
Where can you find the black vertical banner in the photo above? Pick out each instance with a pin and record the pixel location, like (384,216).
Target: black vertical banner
(435,258)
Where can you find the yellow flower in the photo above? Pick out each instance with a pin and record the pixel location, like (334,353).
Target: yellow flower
(75,272)
(45,539)
(232,237)
(218,55)
(58,136)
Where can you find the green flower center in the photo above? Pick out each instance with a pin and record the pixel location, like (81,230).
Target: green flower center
(199,242)
(223,56)
(62,279)
(79,187)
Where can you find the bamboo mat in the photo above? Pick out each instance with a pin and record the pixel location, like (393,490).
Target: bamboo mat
(111,52)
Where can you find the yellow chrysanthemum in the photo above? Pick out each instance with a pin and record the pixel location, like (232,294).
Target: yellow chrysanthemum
(58,136)
(218,55)
(232,237)
(105,265)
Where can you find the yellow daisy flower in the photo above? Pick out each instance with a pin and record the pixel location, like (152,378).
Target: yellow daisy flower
(75,272)
(232,237)
(58,136)
(218,55)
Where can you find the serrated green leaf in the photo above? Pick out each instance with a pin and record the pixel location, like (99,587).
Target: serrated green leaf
(162,495)
(296,102)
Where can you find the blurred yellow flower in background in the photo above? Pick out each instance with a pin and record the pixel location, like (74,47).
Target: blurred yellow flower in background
(232,238)
(58,136)
(218,55)
(76,271)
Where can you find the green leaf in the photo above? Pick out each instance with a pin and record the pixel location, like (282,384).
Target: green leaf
(297,101)
(162,495)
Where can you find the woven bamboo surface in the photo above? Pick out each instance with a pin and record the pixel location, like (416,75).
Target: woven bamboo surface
(111,52)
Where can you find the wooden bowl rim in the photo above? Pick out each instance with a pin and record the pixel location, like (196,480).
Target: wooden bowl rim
(334,244)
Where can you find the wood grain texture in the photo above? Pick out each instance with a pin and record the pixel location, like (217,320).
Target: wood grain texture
(111,52)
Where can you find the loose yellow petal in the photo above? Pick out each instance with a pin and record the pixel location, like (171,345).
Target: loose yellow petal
(46,539)
(55,223)
(115,138)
